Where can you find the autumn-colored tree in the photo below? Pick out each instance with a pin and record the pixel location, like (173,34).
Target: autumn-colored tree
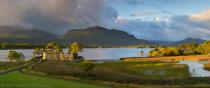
(166,51)
(75,48)
(204,48)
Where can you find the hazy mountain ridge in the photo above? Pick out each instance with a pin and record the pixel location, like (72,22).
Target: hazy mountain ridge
(189,40)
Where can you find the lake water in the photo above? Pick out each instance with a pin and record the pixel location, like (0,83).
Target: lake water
(93,53)
(196,68)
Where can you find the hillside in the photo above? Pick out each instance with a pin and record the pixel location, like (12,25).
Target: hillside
(100,36)
(18,34)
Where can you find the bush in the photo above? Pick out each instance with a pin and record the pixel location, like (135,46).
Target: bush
(168,51)
(86,66)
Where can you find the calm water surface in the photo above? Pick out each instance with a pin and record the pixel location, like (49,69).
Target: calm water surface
(196,68)
(93,53)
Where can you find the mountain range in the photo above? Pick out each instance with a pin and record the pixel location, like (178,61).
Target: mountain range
(96,35)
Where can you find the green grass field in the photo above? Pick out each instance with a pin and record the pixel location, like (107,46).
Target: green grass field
(9,65)
(20,80)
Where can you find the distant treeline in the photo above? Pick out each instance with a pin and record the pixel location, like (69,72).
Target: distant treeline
(183,49)
(18,45)
(5,45)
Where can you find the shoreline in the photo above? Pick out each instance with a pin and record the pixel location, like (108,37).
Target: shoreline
(174,58)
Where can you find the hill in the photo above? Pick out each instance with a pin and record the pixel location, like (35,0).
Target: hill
(100,36)
(189,40)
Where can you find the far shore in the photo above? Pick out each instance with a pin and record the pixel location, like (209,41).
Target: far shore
(169,58)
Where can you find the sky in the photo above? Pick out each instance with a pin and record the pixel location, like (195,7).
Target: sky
(165,20)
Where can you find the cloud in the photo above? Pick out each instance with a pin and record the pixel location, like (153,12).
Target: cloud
(140,14)
(57,16)
(173,29)
(166,12)
(51,15)
(204,16)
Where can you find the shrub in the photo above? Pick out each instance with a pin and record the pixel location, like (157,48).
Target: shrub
(168,51)
(86,66)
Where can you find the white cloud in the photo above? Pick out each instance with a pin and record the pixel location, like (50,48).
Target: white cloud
(173,28)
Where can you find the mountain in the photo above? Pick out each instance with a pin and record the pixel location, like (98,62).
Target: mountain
(19,34)
(100,36)
(189,40)
(91,36)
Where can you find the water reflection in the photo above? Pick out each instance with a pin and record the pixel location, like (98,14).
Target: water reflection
(196,68)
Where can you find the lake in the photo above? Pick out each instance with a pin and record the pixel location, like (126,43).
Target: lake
(92,53)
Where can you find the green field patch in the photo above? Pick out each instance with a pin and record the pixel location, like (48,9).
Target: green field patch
(9,65)
(20,80)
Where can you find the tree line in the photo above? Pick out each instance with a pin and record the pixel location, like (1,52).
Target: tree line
(182,49)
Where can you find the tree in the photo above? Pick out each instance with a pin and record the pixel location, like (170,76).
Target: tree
(75,48)
(188,48)
(52,45)
(15,56)
(204,48)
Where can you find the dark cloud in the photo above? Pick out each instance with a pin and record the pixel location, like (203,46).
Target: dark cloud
(52,15)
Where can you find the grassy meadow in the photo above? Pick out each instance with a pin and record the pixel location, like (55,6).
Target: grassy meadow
(120,71)
(9,65)
(20,80)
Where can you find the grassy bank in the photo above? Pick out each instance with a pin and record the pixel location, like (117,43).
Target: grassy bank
(126,72)
(207,67)
(19,80)
(9,65)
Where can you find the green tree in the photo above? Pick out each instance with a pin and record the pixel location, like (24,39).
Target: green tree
(75,48)
(15,56)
